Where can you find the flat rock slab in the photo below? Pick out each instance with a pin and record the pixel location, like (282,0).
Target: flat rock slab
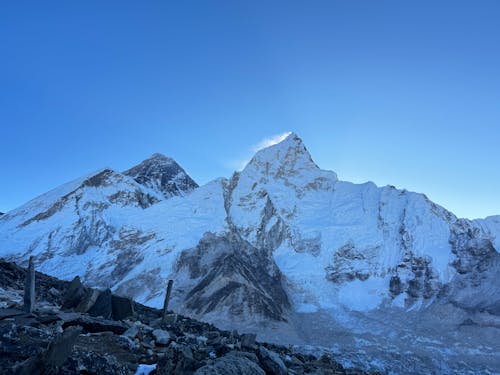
(10,312)
(95,325)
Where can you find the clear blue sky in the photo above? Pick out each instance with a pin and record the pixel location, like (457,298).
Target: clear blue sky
(397,92)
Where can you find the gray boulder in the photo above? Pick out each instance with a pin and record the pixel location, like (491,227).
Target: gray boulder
(231,364)
(271,362)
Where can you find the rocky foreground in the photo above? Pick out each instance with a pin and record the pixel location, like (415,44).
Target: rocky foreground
(78,330)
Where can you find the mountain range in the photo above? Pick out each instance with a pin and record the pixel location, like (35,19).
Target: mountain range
(383,277)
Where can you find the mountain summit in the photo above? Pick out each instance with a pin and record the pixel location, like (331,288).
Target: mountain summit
(284,249)
(162,174)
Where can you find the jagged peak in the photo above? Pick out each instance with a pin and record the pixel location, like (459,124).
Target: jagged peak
(163,174)
(157,156)
(287,156)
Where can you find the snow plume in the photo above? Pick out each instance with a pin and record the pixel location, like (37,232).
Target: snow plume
(239,164)
(269,141)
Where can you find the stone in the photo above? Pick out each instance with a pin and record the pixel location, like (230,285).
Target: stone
(103,305)
(10,312)
(178,360)
(93,325)
(29,288)
(231,364)
(170,319)
(248,340)
(271,362)
(162,337)
(88,301)
(57,353)
(122,307)
(132,332)
(74,295)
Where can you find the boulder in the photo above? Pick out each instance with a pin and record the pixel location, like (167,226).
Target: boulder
(122,307)
(178,360)
(271,362)
(162,337)
(248,340)
(230,364)
(88,300)
(57,353)
(93,325)
(103,305)
(74,295)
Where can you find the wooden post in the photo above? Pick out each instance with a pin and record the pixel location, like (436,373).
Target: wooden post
(167,299)
(29,287)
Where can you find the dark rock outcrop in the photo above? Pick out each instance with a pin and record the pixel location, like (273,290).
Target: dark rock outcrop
(163,175)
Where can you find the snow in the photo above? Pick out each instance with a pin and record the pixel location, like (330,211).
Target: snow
(145,369)
(281,192)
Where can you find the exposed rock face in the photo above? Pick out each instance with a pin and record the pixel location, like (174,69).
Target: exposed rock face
(162,174)
(244,282)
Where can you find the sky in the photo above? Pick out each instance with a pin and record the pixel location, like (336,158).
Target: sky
(405,93)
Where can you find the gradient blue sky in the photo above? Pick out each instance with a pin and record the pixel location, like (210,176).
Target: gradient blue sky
(397,92)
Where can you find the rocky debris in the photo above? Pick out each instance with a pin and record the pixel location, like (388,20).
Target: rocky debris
(271,362)
(96,303)
(232,363)
(54,357)
(52,341)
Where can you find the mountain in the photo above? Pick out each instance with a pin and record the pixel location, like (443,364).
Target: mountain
(282,248)
(162,174)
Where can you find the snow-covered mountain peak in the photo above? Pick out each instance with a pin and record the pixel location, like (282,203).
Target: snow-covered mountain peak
(162,174)
(287,157)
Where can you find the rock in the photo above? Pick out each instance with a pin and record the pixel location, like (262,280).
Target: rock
(231,364)
(54,292)
(248,340)
(88,300)
(74,295)
(56,354)
(178,360)
(271,362)
(132,332)
(170,319)
(103,305)
(122,307)
(95,363)
(94,325)
(10,312)
(162,337)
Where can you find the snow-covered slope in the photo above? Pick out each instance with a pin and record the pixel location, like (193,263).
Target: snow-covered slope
(276,245)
